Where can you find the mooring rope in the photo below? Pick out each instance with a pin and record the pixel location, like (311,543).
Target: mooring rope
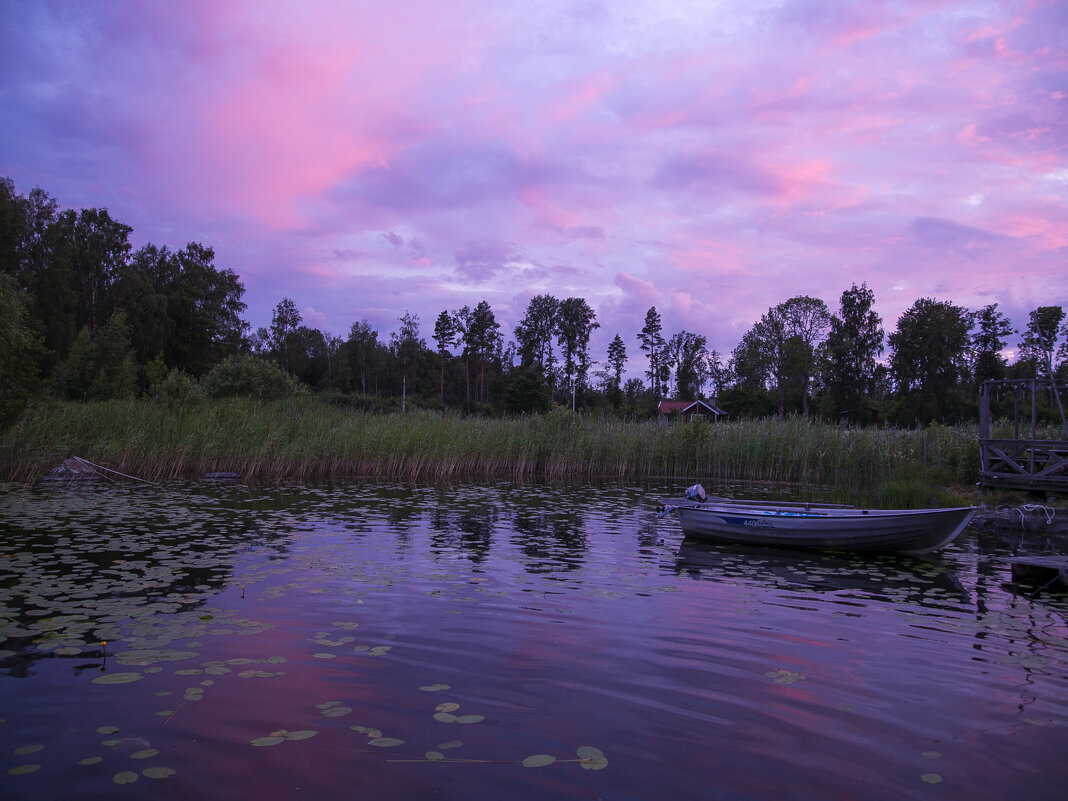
(1034,507)
(109,470)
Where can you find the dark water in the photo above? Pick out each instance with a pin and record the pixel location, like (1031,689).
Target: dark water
(502,642)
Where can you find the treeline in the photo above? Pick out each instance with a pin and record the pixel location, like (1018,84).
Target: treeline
(85,317)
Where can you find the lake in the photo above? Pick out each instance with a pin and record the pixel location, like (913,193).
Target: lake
(196,641)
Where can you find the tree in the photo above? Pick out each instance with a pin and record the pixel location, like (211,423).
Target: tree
(929,359)
(99,369)
(575,323)
(101,248)
(284,323)
(783,346)
(617,359)
(1040,339)
(481,336)
(362,350)
(534,336)
(853,346)
(805,321)
(406,346)
(19,346)
(445,336)
(687,354)
(652,342)
(988,341)
(205,307)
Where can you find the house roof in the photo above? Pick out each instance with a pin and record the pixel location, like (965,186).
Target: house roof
(691,406)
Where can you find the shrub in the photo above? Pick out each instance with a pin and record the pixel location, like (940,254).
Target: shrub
(177,389)
(249,377)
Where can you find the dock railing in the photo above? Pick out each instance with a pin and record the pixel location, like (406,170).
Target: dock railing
(1025,460)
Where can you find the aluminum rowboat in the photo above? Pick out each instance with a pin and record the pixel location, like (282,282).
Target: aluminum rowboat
(815,527)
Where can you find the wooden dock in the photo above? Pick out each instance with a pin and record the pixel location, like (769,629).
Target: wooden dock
(1047,572)
(1022,462)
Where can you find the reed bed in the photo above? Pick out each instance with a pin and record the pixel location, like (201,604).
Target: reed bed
(304,439)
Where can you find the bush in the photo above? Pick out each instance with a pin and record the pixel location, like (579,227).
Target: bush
(100,369)
(246,376)
(177,389)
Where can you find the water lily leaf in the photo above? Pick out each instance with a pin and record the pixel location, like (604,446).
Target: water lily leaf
(90,760)
(538,761)
(931,778)
(28,749)
(450,744)
(450,706)
(107,729)
(589,752)
(118,678)
(373,734)
(470,718)
(19,770)
(434,688)
(125,777)
(266,741)
(434,756)
(157,772)
(445,717)
(324,656)
(336,711)
(302,734)
(144,753)
(386,742)
(784,676)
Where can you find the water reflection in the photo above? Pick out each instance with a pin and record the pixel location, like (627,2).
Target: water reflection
(552,619)
(925,581)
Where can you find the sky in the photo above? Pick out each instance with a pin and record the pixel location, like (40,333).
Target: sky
(711,159)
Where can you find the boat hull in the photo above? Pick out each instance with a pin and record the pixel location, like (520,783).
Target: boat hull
(908,531)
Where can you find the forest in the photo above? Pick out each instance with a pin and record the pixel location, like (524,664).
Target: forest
(84,317)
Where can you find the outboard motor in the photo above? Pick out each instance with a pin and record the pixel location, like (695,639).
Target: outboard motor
(696,493)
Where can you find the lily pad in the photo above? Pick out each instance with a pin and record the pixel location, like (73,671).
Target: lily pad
(591,758)
(90,760)
(434,688)
(386,742)
(336,711)
(118,678)
(144,753)
(19,770)
(302,734)
(538,761)
(450,706)
(28,749)
(156,772)
(470,718)
(125,777)
(262,742)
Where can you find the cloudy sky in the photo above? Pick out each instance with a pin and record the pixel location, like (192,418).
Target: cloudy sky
(710,158)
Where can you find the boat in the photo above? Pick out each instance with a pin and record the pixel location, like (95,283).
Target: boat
(811,526)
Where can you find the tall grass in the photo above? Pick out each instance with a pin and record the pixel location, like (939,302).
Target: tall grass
(303,438)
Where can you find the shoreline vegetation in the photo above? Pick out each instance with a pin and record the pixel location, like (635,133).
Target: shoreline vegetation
(306,439)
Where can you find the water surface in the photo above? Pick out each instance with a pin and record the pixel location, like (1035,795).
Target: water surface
(487,642)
